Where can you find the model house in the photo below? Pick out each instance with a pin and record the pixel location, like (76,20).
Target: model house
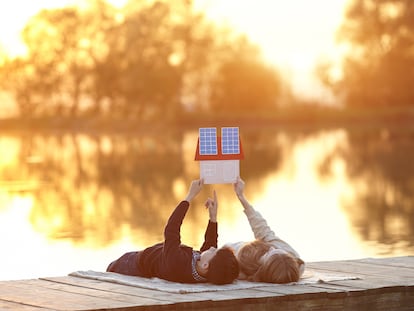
(219,155)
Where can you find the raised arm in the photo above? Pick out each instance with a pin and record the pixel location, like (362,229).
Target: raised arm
(172,237)
(211,236)
(239,189)
(258,224)
(195,188)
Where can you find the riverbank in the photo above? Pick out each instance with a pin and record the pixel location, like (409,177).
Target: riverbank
(291,118)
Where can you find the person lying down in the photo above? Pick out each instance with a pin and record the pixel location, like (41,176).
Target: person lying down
(173,261)
(268,258)
(265,259)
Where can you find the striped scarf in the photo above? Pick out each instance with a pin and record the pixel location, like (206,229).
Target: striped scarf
(196,276)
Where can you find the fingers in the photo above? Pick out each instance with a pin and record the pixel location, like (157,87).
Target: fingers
(212,205)
(195,188)
(208,203)
(198,184)
(238,181)
(238,184)
(211,202)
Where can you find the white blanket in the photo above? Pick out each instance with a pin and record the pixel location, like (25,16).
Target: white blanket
(309,277)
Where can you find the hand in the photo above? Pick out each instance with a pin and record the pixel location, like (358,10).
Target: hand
(212,206)
(239,187)
(195,188)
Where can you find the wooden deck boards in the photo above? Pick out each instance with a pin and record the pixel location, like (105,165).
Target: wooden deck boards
(384,284)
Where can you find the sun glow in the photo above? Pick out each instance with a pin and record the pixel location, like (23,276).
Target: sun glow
(293,35)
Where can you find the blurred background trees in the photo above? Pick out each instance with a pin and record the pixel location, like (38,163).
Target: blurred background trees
(156,60)
(378,68)
(147,61)
(245,85)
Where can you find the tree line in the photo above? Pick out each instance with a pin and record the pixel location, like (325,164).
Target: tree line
(146,61)
(155,60)
(377,69)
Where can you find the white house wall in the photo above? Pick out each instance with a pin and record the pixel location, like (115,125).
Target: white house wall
(219,171)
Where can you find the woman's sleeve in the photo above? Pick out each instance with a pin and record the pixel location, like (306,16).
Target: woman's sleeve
(263,232)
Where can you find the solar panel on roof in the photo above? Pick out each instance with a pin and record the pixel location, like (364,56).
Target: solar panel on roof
(208,141)
(230,140)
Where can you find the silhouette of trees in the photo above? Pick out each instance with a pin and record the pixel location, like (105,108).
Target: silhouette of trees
(140,62)
(246,86)
(377,69)
(64,48)
(382,161)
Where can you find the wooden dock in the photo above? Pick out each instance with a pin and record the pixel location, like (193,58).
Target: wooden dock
(383,284)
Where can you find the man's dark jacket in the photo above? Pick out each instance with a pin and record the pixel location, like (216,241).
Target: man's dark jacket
(169,260)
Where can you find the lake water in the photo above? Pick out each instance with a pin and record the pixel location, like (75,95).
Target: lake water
(73,201)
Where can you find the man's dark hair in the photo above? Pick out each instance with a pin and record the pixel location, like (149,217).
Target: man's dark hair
(223,267)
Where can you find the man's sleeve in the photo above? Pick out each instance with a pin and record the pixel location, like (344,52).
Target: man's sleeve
(210,236)
(172,237)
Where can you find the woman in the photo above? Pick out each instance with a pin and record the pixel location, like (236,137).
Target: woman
(268,258)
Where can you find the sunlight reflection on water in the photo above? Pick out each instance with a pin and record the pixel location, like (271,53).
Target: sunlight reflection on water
(84,201)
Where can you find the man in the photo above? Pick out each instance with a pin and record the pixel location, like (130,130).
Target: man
(172,261)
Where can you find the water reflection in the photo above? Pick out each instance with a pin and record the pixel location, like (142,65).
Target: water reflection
(381,167)
(76,201)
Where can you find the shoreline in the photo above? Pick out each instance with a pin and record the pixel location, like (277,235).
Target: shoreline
(305,120)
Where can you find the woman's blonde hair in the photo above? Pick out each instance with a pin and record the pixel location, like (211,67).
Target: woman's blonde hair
(249,256)
(278,268)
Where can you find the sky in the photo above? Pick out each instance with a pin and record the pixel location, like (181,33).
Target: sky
(293,34)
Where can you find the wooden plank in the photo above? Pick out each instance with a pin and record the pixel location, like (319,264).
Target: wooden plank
(339,290)
(301,290)
(98,292)
(93,292)
(33,294)
(404,261)
(378,283)
(384,302)
(9,305)
(362,269)
(320,290)
(385,284)
(237,294)
(367,281)
(160,296)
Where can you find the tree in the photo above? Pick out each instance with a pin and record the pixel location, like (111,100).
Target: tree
(140,62)
(66,70)
(150,82)
(377,70)
(245,85)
